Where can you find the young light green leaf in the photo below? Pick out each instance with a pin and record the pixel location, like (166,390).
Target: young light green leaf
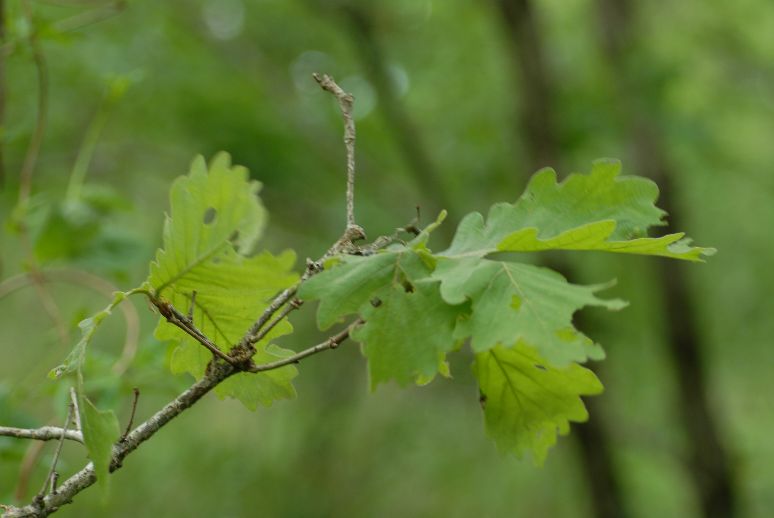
(75,359)
(526,401)
(100,432)
(216,219)
(407,333)
(514,301)
(598,211)
(213,212)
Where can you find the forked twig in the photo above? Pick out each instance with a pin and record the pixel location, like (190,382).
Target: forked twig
(331,343)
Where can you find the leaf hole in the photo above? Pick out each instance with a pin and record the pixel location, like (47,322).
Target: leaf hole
(209,215)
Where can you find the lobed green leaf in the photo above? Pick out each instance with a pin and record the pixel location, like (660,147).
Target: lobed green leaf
(597,211)
(407,334)
(527,402)
(514,301)
(216,219)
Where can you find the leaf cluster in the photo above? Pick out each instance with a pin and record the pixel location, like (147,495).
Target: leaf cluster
(413,306)
(418,305)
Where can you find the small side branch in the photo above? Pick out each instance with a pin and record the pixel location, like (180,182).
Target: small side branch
(44,433)
(346,103)
(294,304)
(181,321)
(279,301)
(136,394)
(331,343)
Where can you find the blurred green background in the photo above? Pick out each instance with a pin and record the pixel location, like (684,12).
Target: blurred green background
(456,104)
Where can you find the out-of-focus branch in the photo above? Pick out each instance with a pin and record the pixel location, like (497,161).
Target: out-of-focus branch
(92,282)
(28,463)
(92,16)
(33,149)
(25,177)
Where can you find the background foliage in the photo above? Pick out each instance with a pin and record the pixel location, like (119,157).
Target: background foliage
(441,104)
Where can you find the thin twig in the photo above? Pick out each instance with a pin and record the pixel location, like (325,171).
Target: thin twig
(346,102)
(279,301)
(57,453)
(74,399)
(331,343)
(44,433)
(293,305)
(179,320)
(136,393)
(96,15)
(352,233)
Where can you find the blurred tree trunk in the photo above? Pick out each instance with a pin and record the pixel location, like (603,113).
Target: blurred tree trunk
(709,464)
(537,128)
(536,123)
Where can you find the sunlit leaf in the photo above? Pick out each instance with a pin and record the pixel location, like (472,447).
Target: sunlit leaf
(598,211)
(216,219)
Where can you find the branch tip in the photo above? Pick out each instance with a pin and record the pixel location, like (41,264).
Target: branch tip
(346,102)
